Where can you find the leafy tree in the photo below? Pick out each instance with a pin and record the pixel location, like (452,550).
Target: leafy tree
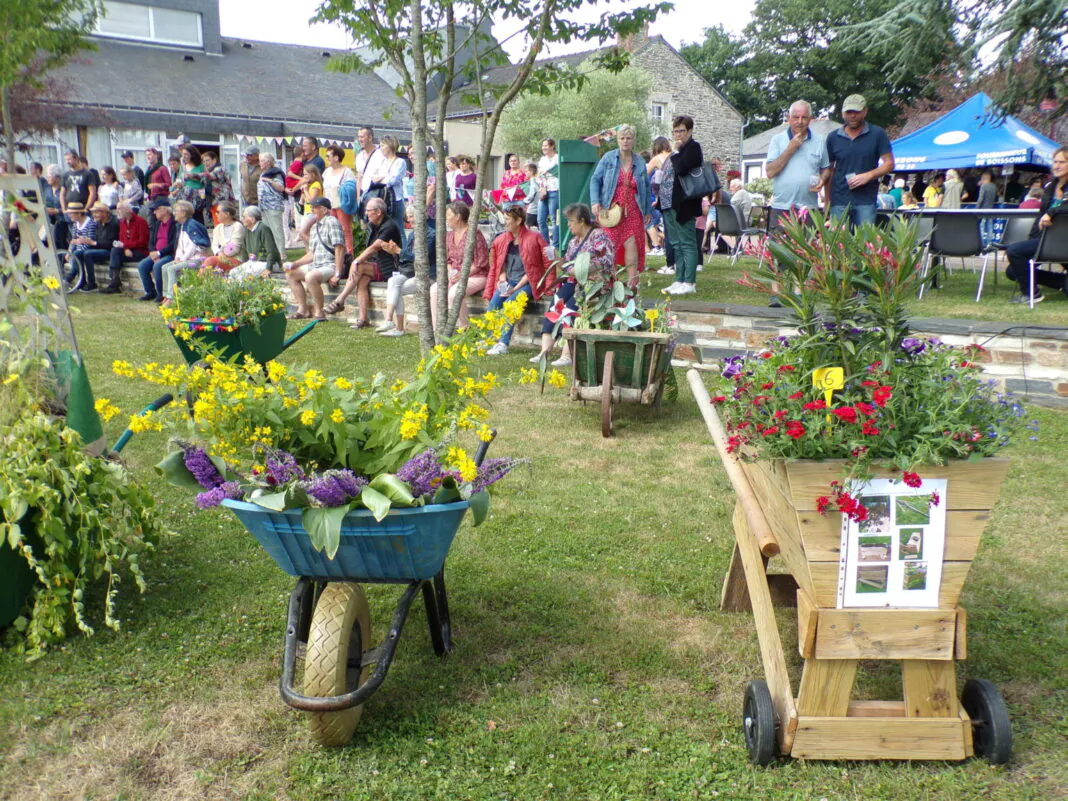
(794,49)
(607,99)
(35,38)
(1030,38)
(422,41)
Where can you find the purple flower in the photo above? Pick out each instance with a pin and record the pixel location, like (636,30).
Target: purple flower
(281,467)
(334,487)
(423,473)
(202,469)
(493,470)
(731,370)
(213,497)
(913,346)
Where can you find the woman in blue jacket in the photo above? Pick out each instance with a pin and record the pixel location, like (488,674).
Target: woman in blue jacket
(621,181)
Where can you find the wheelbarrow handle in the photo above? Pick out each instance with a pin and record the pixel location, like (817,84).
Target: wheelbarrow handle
(480,454)
(155,406)
(302,332)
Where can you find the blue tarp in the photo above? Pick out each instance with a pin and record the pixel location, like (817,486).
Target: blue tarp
(966,137)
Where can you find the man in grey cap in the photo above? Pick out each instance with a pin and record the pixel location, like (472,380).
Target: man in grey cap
(250,175)
(860,155)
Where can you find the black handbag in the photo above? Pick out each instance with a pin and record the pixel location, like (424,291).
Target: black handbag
(700,182)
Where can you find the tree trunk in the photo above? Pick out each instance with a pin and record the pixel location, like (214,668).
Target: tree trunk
(418,154)
(9,133)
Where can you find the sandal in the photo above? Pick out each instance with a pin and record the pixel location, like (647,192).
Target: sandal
(299,316)
(319,318)
(360,324)
(333,307)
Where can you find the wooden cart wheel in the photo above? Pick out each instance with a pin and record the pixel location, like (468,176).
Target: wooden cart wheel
(340,630)
(758,720)
(991,729)
(606,395)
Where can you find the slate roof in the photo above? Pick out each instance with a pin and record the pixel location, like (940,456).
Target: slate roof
(756,146)
(268,89)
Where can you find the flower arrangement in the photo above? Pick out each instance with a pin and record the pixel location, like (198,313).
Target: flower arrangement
(206,300)
(296,438)
(854,383)
(67,517)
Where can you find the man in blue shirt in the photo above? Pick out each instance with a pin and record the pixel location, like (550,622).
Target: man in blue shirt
(860,155)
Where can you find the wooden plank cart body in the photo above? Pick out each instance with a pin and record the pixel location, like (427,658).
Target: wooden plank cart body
(776,515)
(610,367)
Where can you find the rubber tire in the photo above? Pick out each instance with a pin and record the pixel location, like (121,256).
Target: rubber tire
(75,283)
(606,394)
(991,728)
(340,632)
(758,723)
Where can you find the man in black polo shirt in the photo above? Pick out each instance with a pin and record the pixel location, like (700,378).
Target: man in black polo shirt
(375,263)
(860,155)
(78,183)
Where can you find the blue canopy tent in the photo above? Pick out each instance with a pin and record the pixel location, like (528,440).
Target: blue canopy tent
(966,137)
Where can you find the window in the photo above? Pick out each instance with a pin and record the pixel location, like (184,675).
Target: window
(658,111)
(148,24)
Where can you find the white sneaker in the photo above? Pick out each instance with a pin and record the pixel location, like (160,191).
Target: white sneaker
(387,326)
(500,349)
(563,361)
(700,267)
(671,290)
(392,332)
(535,359)
(685,289)
(665,270)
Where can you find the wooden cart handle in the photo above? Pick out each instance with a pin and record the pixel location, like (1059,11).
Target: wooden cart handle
(758,525)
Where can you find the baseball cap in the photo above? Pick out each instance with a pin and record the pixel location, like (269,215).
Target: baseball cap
(321,202)
(159,203)
(127,154)
(854,103)
(252,151)
(153,149)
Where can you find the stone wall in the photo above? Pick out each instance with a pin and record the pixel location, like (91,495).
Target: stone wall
(717,126)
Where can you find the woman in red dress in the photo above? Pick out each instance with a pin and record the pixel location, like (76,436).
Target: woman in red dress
(622,180)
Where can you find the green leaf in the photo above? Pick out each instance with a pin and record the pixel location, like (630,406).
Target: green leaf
(324,527)
(480,502)
(619,291)
(374,500)
(448,492)
(275,501)
(174,470)
(14,535)
(393,488)
(582,268)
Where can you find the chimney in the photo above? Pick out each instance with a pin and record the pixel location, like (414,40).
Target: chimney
(633,41)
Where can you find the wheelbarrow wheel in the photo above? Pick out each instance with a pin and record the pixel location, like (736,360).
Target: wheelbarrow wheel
(333,663)
(991,729)
(758,721)
(606,395)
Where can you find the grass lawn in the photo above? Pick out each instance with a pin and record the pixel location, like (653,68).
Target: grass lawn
(717,283)
(591,661)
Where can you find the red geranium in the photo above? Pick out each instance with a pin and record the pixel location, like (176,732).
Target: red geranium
(869,429)
(816,405)
(822,504)
(845,413)
(882,395)
(759,400)
(865,409)
(719,399)
(797,395)
(786,368)
(911,479)
(795,429)
(768,385)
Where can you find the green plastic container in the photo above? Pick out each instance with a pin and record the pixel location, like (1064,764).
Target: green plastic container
(262,345)
(16,581)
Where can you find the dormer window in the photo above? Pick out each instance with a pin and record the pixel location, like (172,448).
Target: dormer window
(150,24)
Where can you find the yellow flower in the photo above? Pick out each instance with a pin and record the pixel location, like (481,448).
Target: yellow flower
(556,379)
(652,315)
(307,417)
(106,409)
(485,433)
(398,385)
(123,369)
(144,422)
(413,421)
(11,378)
(458,459)
(52,283)
(275,371)
(528,375)
(343,384)
(337,416)
(314,380)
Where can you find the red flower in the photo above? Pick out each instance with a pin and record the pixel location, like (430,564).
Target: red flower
(797,395)
(816,405)
(845,413)
(768,385)
(869,428)
(733,444)
(869,383)
(865,409)
(779,415)
(766,354)
(822,503)
(767,432)
(719,399)
(786,368)
(795,429)
(759,400)
(882,395)
(874,366)
(935,499)
(911,479)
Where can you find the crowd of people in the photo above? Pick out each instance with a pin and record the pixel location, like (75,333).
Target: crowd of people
(183,212)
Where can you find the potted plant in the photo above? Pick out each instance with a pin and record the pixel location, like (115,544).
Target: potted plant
(334,455)
(214,313)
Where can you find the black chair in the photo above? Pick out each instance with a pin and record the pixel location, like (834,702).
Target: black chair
(728,223)
(1016,229)
(954,235)
(1052,249)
